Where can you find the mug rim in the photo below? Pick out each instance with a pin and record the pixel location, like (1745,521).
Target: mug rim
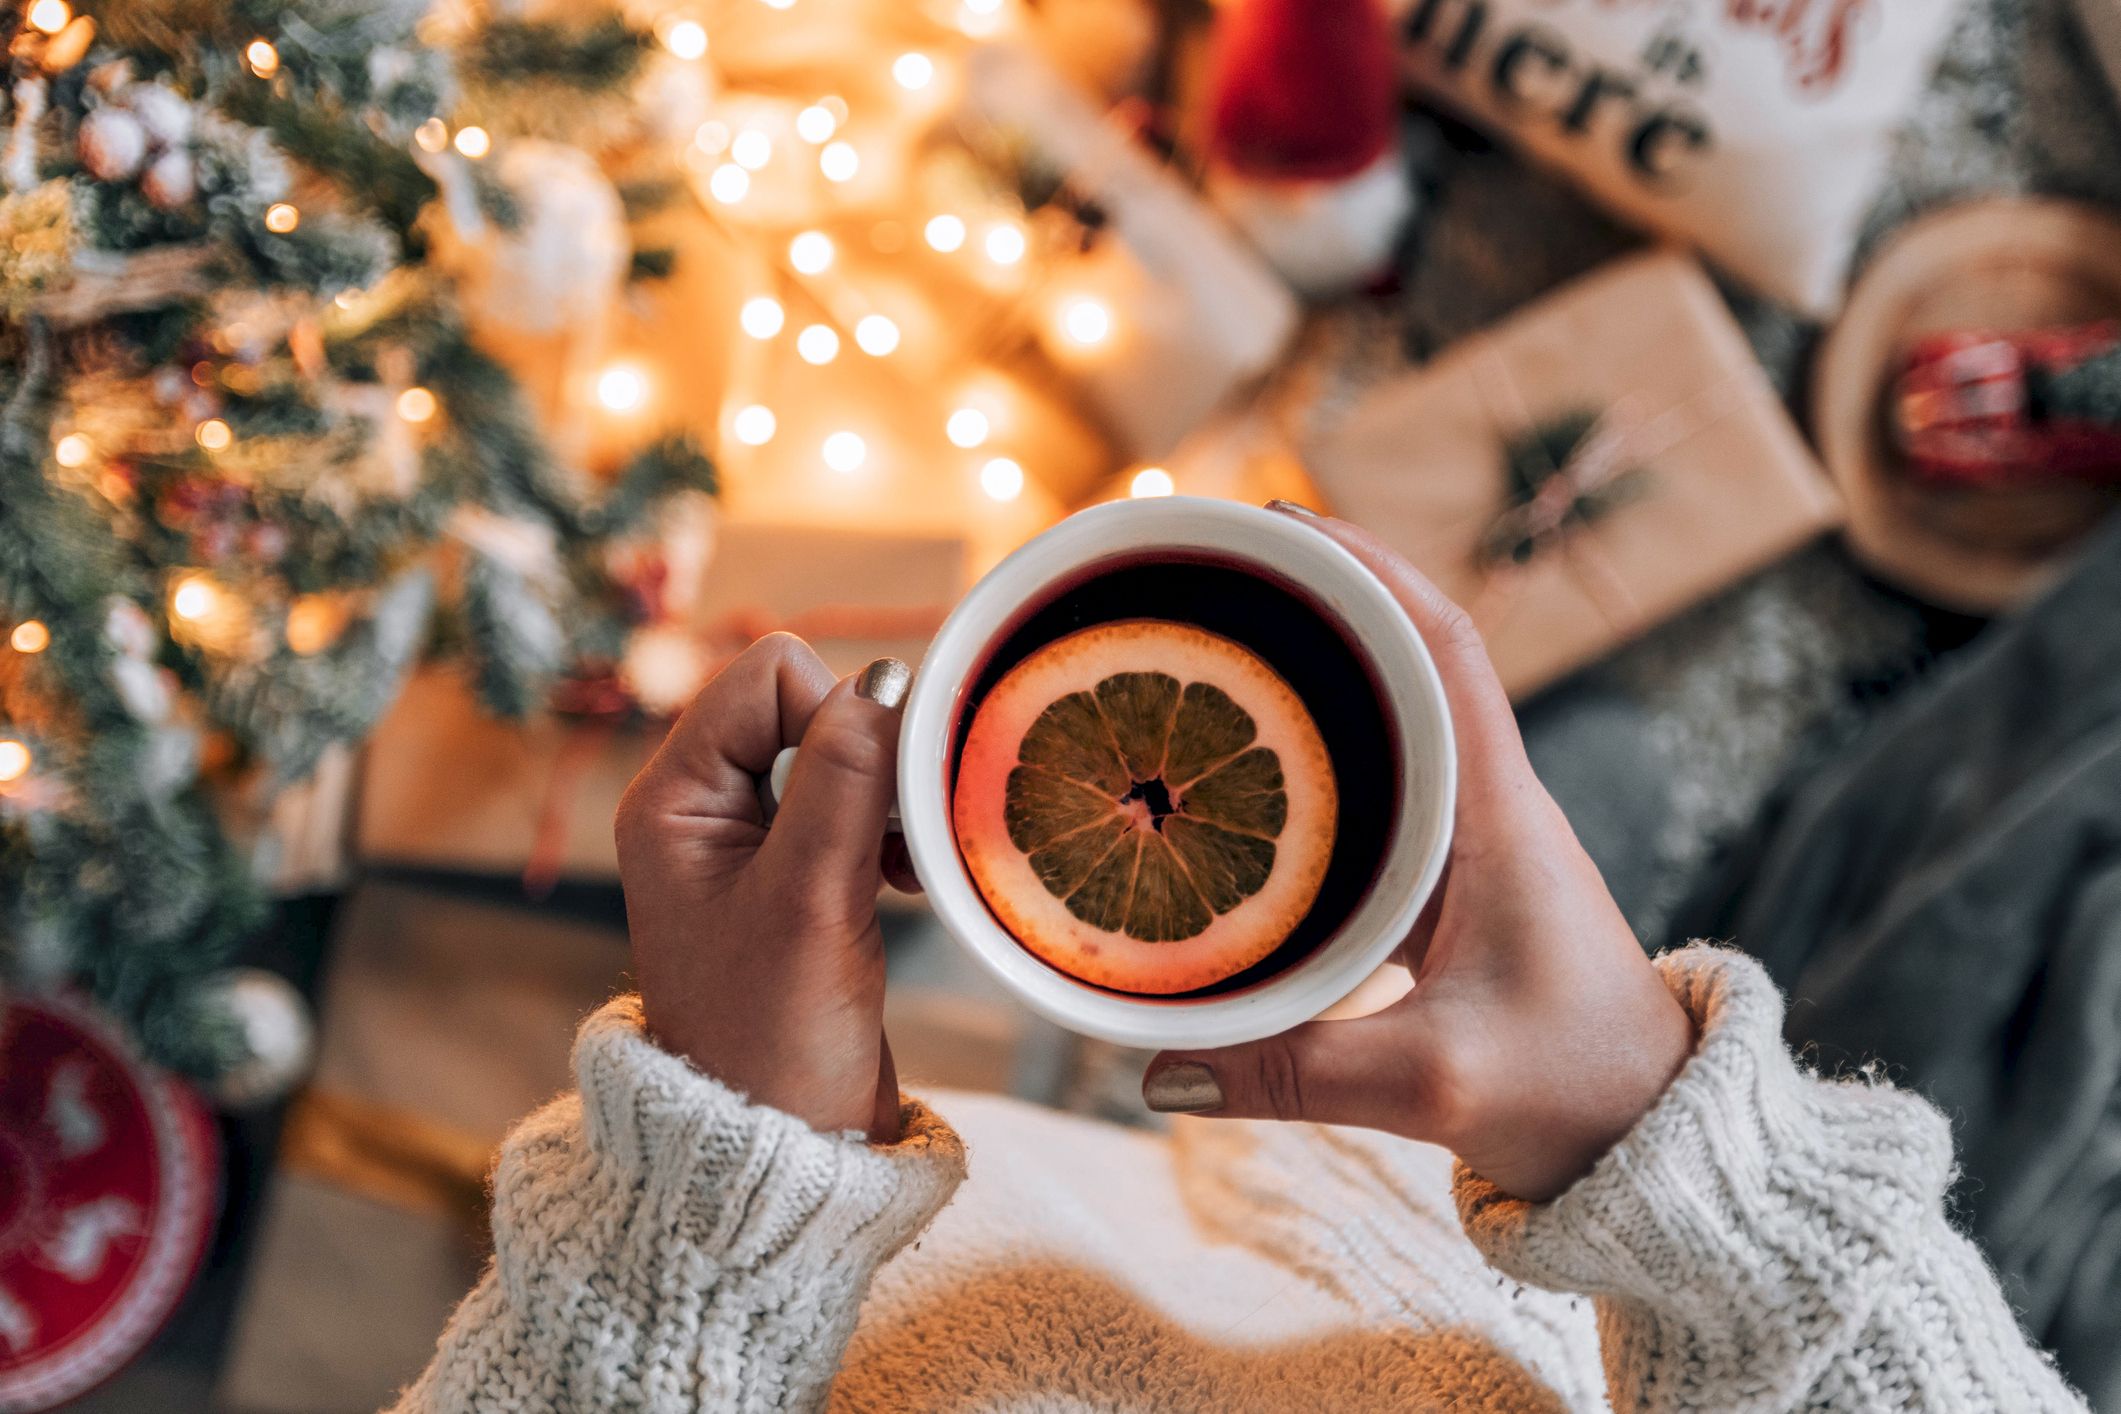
(1419,716)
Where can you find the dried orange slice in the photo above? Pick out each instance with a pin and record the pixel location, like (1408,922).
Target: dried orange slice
(1146,806)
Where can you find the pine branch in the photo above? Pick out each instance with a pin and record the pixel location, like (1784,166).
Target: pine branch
(659,471)
(516,645)
(601,54)
(378,174)
(290,707)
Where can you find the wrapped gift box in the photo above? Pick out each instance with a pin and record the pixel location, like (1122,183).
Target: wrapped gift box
(1188,313)
(445,786)
(1584,470)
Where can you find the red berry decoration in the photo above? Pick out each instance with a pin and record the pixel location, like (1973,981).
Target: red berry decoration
(109,1180)
(1979,408)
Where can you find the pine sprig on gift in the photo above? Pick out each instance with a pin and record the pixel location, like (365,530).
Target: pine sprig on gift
(1530,461)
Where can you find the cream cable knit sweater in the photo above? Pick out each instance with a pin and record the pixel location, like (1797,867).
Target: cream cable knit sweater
(1763,1240)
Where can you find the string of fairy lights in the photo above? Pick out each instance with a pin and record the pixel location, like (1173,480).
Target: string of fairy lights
(759,149)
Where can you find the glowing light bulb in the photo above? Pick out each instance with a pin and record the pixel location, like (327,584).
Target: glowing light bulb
(30,636)
(50,16)
(729,184)
(687,39)
(811,252)
(711,137)
(913,70)
(751,149)
(816,123)
(14,760)
(945,234)
(978,20)
(1005,243)
(195,599)
(1002,478)
(844,452)
(474,142)
(983,7)
(263,59)
(417,405)
(818,344)
(622,388)
(213,434)
(778,4)
(967,427)
(754,426)
(432,135)
(876,335)
(839,162)
(73,450)
(313,621)
(281,217)
(1086,321)
(1150,481)
(762,316)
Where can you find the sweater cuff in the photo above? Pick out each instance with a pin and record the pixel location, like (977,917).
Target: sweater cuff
(752,1185)
(1748,1179)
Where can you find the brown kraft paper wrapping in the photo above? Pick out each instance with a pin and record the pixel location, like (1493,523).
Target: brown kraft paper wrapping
(1688,474)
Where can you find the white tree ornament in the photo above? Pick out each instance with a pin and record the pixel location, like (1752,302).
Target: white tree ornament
(564,260)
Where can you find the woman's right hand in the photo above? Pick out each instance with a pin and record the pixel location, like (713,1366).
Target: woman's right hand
(758,952)
(1537,1033)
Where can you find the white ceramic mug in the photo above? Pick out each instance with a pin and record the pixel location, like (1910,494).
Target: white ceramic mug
(1278,548)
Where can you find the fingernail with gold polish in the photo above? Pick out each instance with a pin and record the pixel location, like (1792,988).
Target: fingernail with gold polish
(1183,1088)
(884,682)
(1290,508)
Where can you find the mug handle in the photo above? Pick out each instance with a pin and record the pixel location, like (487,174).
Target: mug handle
(776,785)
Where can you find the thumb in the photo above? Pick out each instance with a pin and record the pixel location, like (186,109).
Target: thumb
(1328,1072)
(829,828)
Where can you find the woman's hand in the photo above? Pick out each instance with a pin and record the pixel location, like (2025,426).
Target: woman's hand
(757,951)
(1537,1032)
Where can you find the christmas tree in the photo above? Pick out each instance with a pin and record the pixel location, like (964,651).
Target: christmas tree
(252,461)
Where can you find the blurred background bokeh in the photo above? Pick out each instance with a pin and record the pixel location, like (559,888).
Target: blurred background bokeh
(406,406)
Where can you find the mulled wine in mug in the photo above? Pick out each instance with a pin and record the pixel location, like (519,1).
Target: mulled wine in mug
(1178,772)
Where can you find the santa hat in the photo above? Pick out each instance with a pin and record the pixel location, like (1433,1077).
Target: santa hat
(1303,89)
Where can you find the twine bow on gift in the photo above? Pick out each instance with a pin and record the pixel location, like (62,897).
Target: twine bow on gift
(1565,472)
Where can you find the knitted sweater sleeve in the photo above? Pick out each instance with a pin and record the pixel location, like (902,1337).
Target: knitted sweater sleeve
(662,1244)
(1768,1240)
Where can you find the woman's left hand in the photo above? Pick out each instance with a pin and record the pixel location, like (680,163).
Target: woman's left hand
(757,951)
(1538,1033)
